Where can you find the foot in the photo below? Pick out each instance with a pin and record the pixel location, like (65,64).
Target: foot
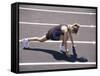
(25,43)
(62,48)
(68,54)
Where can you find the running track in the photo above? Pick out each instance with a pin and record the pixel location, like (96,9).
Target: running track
(36,21)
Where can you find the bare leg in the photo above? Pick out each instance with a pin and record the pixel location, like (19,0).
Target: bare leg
(27,40)
(61,38)
(62,46)
(40,39)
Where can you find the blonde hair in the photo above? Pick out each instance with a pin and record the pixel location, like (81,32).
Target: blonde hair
(76,27)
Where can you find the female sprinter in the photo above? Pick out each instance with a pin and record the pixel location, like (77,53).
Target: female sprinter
(61,32)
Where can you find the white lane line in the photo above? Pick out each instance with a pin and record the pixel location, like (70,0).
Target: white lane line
(50,24)
(56,63)
(55,11)
(79,42)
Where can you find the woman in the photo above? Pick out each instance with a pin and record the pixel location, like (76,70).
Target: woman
(61,32)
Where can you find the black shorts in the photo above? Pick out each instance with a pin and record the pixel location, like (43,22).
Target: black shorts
(53,35)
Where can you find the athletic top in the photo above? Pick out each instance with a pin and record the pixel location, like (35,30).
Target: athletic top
(55,32)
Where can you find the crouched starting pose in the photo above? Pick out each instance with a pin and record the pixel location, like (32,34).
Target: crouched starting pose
(61,32)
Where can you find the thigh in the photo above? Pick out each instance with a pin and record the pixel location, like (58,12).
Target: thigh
(43,38)
(61,37)
(56,35)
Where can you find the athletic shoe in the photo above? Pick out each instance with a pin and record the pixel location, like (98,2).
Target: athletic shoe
(62,48)
(25,43)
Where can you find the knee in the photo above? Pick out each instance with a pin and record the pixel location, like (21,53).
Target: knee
(41,40)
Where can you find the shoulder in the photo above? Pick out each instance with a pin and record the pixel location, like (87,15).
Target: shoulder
(64,28)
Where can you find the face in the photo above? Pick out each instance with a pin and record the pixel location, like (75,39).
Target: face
(75,29)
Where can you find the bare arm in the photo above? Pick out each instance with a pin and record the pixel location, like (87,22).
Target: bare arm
(73,48)
(71,38)
(65,38)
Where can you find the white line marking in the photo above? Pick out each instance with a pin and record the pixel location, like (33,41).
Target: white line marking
(56,11)
(57,63)
(33,23)
(51,41)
